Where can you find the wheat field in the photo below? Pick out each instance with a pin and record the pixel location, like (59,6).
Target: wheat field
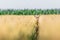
(49,27)
(14,27)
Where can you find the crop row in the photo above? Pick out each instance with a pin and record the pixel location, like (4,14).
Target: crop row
(29,11)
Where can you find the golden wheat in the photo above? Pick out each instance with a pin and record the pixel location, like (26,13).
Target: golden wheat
(14,27)
(49,27)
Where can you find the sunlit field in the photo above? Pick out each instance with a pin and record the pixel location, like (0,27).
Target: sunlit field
(30,24)
(14,27)
(49,27)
